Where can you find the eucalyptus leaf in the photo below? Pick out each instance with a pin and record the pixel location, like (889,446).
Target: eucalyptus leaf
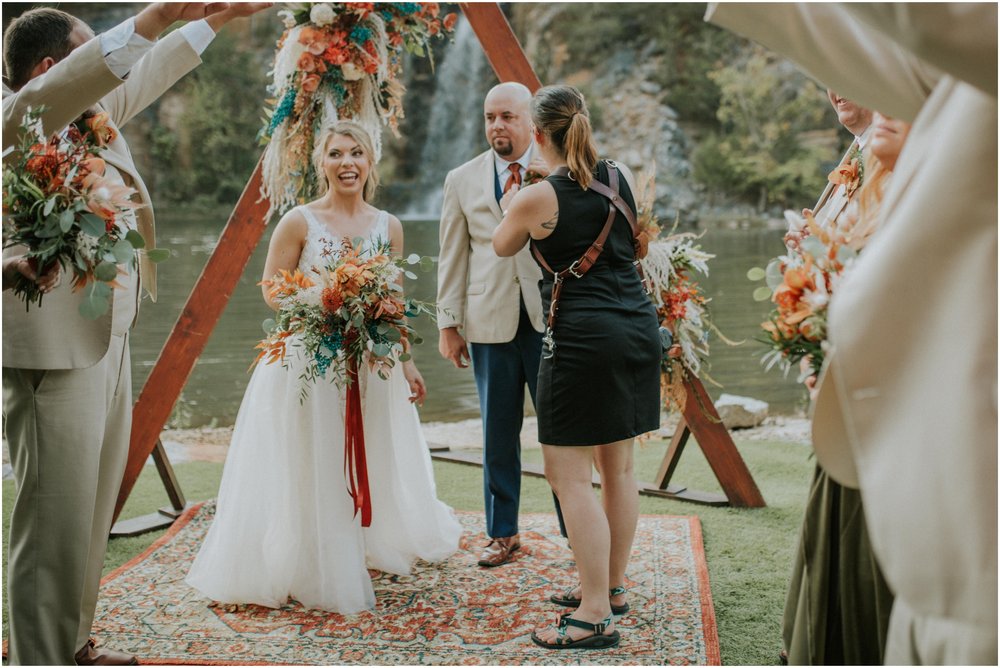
(756,274)
(50,228)
(762,294)
(269,325)
(96,301)
(106,271)
(123,251)
(92,225)
(134,238)
(382,349)
(405,357)
(410,275)
(393,335)
(426,264)
(413,259)
(66,220)
(156,255)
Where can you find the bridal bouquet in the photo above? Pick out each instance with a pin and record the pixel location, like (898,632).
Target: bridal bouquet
(338,60)
(59,206)
(800,285)
(349,312)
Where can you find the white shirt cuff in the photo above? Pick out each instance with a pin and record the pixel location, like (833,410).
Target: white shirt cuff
(122,47)
(198,34)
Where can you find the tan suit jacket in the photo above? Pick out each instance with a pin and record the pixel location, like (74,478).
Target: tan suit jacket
(907,409)
(477,289)
(56,336)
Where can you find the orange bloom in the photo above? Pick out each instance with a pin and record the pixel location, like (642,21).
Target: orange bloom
(106,198)
(100,126)
(309,63)
(310,82)
(432,9)
(332,299)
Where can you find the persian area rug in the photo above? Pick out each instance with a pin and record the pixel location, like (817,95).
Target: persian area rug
(452,613)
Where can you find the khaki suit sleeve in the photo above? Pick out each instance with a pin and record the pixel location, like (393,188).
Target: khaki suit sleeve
(453,259)
(66,90)
(838,50)
(170,59)
(957,37)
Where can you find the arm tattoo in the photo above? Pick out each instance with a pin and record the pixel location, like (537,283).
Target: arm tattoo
(550,224)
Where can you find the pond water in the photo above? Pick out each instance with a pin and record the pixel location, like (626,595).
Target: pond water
(216,385)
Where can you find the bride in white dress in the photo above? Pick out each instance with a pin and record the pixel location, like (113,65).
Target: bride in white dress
(285,525)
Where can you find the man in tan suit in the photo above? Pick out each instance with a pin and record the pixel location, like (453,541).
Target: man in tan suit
(67,380)
(493,304)
(907,408)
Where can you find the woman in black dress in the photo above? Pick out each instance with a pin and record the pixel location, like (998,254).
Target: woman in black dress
(599,379)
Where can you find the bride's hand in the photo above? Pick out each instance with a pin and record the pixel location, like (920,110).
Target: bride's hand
(418,391)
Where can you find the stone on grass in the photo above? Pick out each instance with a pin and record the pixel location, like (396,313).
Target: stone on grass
(741,412)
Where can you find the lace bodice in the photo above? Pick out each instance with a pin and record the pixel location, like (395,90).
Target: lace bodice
(321,243)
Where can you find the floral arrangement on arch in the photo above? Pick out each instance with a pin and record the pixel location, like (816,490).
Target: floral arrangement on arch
(669,266)
(800,285)
(338,60)
(60,207)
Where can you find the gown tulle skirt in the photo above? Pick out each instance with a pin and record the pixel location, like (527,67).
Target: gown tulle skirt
(285,525)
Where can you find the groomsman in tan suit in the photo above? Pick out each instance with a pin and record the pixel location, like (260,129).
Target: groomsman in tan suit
(489,307)
(831,205)
(907,407)
(66,380)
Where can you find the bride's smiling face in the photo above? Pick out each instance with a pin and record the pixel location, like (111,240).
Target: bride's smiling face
(346,165)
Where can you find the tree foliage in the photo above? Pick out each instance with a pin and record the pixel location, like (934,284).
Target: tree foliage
(215,142)
(766,108)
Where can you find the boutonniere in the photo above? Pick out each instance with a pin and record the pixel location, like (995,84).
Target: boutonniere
(850,173)
(531,177)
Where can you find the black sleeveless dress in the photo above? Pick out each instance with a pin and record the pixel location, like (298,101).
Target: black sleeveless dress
(601,383)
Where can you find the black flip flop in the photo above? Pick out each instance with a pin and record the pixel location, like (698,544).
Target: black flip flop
(599,640)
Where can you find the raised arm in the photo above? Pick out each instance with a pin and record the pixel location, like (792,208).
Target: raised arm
(66,90)
(957,37)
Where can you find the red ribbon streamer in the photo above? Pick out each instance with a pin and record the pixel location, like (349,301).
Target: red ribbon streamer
(355,466)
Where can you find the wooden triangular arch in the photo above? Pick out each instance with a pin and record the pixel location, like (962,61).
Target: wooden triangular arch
(228,261)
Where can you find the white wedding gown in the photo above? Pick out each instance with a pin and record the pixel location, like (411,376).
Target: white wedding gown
(285,524)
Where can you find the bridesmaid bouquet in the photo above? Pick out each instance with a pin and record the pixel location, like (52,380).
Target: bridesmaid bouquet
(349,312)
(59,206)
(800,285)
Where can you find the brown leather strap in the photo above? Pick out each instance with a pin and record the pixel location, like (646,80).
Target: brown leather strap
(587,260)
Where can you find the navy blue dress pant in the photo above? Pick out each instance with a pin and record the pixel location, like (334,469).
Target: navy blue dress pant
(501,371)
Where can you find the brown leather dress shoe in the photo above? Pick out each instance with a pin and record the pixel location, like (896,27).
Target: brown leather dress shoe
(102,656)
(498,551)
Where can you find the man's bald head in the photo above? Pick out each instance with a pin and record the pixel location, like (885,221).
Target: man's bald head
(506,112)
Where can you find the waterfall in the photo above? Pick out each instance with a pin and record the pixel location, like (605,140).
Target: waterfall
(455,122)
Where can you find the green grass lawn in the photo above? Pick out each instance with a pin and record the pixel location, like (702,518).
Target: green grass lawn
(749,551)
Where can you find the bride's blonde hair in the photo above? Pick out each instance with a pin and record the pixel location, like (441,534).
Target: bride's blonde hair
(356,132)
